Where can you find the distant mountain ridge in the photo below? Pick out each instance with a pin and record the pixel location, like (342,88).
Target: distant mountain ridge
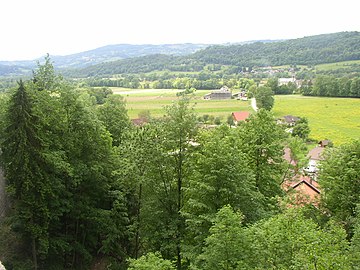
(108,53)
(104,54)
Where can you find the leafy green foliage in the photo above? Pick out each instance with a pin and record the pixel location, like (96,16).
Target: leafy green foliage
(151,261)
(261,141)
(220,176)
(100,94)
(286,241)
(339,180)
(226,246)
(114,117)
(290,241)
(165,177)
(301,129)
(264,98)
(331,86)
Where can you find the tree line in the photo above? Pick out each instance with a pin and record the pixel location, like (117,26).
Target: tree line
(86,186)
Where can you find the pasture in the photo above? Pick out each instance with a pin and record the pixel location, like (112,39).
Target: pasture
(337,119)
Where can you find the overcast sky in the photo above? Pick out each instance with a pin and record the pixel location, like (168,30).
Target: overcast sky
(30,29)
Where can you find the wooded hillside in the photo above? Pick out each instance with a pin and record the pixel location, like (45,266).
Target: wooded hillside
(310,50)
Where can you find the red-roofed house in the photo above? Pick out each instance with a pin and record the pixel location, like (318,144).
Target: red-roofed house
(240,116)
(303,190)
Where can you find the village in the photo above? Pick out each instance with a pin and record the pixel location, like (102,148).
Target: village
(300,184)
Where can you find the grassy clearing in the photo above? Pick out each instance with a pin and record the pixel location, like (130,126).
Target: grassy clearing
(337,119)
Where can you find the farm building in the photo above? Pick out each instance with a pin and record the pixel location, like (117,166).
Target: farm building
(242,95)
(223,93)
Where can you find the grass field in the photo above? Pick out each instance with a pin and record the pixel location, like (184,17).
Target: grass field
(337,119)
(337,65)
(155,100)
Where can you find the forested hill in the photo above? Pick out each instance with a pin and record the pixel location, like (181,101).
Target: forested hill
(310,50)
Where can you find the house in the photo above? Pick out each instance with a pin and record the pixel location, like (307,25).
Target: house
(314,156)
(302,190)
(240,116)
(288,120)
(223,93)
(306,191)
(316,153)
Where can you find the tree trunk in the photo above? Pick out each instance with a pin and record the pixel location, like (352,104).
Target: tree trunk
(137,237)
(33,244)
(179,186)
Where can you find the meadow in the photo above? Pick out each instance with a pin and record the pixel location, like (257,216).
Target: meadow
(337,119)
(338,65)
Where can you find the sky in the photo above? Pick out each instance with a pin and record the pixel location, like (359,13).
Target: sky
(31,29)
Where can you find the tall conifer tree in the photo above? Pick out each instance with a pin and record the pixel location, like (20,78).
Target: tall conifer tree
(25,171)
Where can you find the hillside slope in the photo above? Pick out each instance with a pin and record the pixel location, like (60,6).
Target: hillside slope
(310,50)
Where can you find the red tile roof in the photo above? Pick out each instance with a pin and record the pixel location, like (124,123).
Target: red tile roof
(240,116)
(303,190)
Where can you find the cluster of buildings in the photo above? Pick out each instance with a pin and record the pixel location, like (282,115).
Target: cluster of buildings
(225,93)
(302,186)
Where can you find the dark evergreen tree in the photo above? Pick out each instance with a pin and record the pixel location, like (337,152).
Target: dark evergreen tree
(26,171)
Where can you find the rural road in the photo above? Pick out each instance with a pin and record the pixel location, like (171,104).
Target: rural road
(253,104)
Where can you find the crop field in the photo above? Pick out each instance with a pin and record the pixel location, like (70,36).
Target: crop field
(337,119)
(154,100)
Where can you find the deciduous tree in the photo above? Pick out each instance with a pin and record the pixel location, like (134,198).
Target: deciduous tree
(340,182)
